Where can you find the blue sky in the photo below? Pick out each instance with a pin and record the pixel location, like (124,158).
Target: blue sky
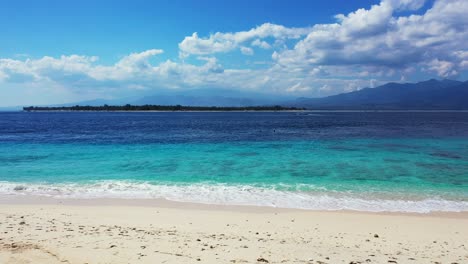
(110,29)
(67,51)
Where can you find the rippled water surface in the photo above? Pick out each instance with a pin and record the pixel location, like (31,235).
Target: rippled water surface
(373,161)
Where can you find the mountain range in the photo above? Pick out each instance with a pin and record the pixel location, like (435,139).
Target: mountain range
(427,95)
(196,97)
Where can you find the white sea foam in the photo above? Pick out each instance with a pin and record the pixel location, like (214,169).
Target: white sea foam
(235,195)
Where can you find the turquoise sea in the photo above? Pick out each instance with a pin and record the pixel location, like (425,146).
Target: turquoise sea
(367,161)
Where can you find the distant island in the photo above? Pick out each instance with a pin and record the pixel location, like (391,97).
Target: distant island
(168,108)
(430,95)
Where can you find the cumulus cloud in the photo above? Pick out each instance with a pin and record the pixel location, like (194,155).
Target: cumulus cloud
(462,57)
(443,68)
(261,44)
(364,48)
(298,87)
(246,50)
(85,78)
(224,42)
(375,37)
(46,68)
(133,70)
(138,61)
(401,5)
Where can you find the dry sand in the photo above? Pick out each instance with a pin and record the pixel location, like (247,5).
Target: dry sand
(116,231)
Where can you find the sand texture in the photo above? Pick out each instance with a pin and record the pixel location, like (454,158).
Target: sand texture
(149,234)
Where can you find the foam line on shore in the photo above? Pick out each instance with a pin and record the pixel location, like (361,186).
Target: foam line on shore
(220,194)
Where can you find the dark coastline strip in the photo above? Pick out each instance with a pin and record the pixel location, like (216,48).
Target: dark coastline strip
(128,107)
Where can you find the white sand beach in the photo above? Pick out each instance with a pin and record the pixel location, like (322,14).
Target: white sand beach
(132,231)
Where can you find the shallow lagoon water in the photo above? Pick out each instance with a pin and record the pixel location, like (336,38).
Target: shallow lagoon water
(370,161)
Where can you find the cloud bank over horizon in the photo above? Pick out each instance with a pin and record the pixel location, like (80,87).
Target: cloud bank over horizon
(390,41)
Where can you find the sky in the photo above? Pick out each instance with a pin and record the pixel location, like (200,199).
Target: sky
(54,52)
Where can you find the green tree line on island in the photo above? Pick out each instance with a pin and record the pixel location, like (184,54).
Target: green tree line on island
(129,107)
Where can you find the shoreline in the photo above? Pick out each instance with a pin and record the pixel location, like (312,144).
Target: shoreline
(253,111)
(161,111)
(37,200)
(116,231)
(233,196)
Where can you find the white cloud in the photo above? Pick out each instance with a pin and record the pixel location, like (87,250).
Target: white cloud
(365,48)
(325,88)
(298,87)
(84,77)
(375,37)
(401,5)
(3,76)
(247,51)
(130,66)
(46,67)
(224,42)
(82,71)
(261,44)
(462,58)
(443,68)
(363,22)
(138,61)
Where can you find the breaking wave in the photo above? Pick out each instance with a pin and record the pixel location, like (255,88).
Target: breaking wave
(315,198)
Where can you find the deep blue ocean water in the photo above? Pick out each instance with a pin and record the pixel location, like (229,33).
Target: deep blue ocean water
(371,161)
